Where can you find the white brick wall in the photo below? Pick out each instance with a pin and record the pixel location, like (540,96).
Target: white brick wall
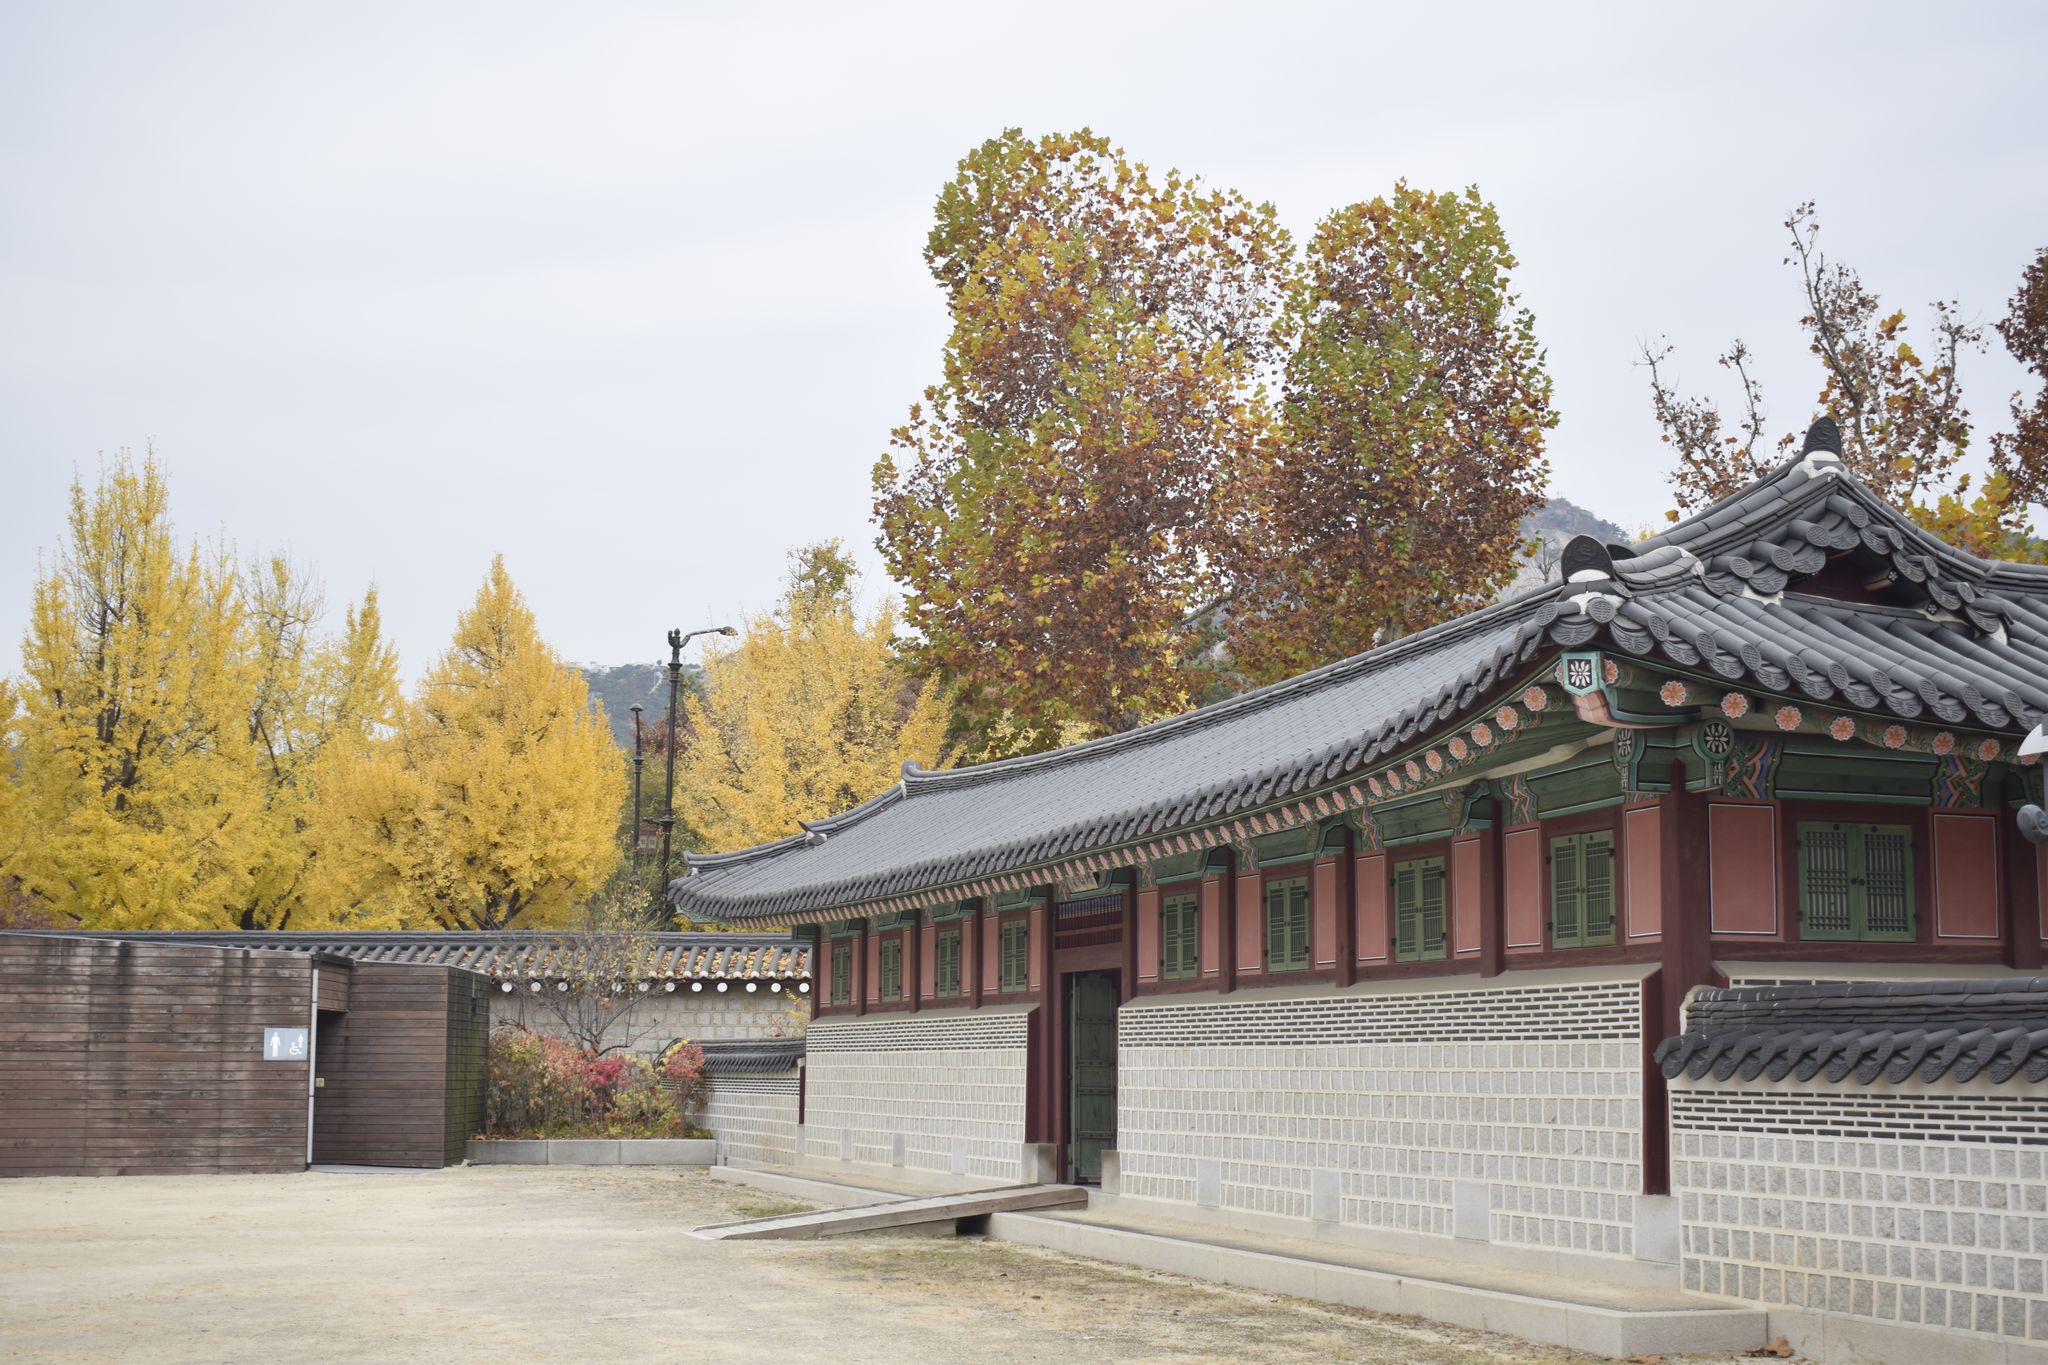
(1912,1203)
(941,1091)
(753,1118)
(1510,1111)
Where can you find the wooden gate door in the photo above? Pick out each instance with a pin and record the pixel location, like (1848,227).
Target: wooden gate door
(1091,1074)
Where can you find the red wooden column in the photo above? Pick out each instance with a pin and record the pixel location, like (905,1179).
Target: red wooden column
(1345,928)
(821,963)
(1127,978)
(1248,937)
(860,966)
(1492,894)
(1687,958)
(918,984)
(970,954)
(2021,874)
(1045,1105)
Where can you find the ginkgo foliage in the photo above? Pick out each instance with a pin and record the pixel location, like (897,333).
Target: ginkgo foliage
(138,800)
(808,715)
(495,803)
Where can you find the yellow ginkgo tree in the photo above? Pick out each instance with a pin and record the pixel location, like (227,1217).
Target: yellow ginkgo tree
(494,804)
(809,714)
(138,802)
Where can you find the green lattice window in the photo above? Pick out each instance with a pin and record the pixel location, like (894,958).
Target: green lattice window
(1287,925)
(1179,949)
(892,968)
(1582,889)
(842,973)
(1419,910)
(946,963)
(1016,955)
(1856,881)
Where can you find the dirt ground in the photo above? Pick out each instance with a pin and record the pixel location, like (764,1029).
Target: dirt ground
(579,1264)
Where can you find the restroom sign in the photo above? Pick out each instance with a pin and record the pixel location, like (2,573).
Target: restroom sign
(284,1045)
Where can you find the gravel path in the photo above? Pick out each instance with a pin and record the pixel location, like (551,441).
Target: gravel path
(562,1263)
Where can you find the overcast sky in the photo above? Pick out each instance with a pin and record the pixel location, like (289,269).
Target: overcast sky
(633,294)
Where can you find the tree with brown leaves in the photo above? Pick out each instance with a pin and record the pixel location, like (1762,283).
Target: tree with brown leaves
(1415,411)
(1056,505)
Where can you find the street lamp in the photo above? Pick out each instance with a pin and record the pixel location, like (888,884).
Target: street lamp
(676,640)
(639,761)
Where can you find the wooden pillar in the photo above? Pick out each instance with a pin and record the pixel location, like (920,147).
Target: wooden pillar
(1687,958)
(1492,894)
(970,954)
(1346,945)
(1226,927)
(860,966)
(913,959)
(821,964)
(2020,866)
(1047,1102)
(1127,978)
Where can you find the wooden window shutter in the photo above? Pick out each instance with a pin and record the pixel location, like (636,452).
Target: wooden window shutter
(1419,910)
(1407,913)
(1856,881)
(892,969)
(842,973)
(1887,882)
(946,964)
(1596,887)
(1433,908)
(1178,950)
(1016,955)
(1287,925)
(1567,894)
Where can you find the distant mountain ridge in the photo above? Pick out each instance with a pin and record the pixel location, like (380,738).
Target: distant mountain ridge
(1551,526)
(618,686)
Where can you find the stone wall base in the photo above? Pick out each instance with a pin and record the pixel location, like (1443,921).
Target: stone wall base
(592,1151)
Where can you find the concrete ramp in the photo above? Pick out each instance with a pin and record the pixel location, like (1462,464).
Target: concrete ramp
(900,1213)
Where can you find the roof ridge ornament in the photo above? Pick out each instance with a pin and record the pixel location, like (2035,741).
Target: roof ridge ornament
(1821,452)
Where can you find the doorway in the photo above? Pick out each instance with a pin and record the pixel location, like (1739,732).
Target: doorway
(1091,1072)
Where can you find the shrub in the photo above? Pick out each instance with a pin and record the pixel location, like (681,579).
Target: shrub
(546,1087)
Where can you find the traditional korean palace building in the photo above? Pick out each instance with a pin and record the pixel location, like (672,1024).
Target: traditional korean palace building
(1391,951)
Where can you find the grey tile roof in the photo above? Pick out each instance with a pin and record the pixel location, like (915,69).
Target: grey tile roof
(514,954)
(749,1056)
(1717,593)
(1866,1030)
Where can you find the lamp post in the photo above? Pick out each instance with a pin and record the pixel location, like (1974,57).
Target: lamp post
(639,761)
(676,640)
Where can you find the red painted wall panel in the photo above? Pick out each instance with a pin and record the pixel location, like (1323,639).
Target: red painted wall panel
(991,955)
(1965,876)
(1369,903)
(1465,854)
(1643,871)
(1148,934)
(927,964)
(1743,869)
(1522,851)
(874,968)
(1211,926)
(1251,925)
(1322,896)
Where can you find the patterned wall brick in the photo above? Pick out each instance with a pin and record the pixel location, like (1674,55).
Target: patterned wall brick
(1373,1110)
(753,1118)
(1915,1203)
(662,1017)
(931,1092)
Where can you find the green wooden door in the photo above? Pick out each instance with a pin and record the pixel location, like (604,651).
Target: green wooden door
(1092,1074)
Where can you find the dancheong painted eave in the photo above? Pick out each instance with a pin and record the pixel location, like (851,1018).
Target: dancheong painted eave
(1751,591)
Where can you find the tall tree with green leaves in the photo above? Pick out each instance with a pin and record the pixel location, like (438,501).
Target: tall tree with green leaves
(1058,504)
(1415,410)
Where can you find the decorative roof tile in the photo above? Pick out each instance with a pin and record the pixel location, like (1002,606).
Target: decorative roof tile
(505,955)
(1868,1031)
